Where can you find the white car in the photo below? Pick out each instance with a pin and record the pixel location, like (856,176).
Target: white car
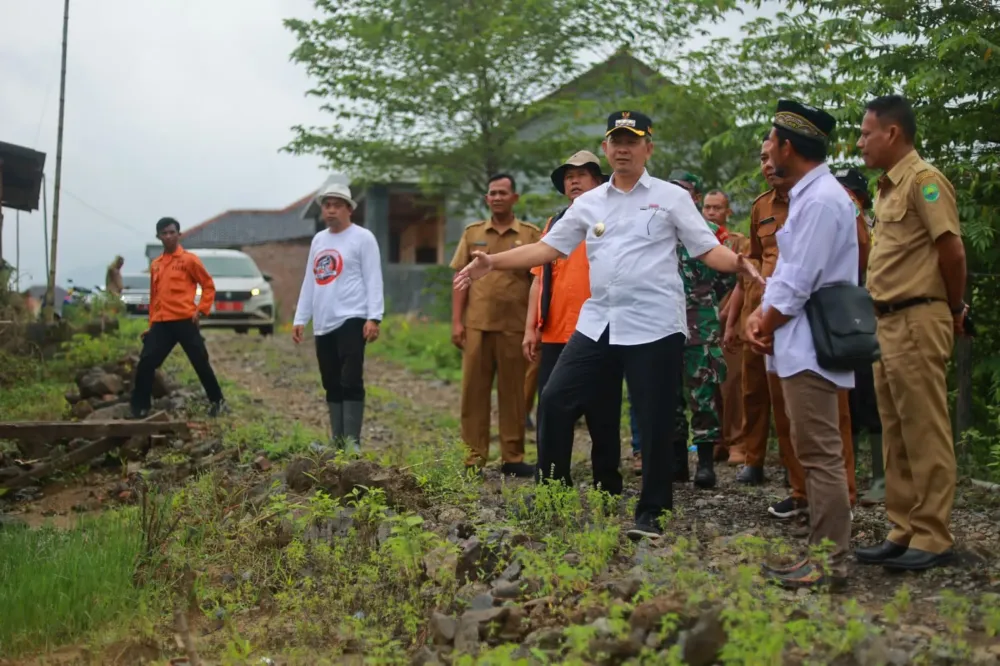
(135,294)
(243,295)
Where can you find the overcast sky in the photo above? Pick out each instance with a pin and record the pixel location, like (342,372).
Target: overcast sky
(173,107)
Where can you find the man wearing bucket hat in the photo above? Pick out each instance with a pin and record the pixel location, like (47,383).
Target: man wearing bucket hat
(634,321)
(557,295)
(342,295)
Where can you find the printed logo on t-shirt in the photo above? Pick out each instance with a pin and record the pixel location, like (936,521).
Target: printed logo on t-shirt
(327,266)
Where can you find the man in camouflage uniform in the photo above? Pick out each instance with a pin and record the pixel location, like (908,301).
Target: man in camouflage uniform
(704,367)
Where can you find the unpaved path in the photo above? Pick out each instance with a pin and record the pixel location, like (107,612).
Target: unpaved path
(284,378)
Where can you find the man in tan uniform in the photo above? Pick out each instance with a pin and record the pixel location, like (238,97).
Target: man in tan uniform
(487,324)
(716,209)
(916,276)
(767,215)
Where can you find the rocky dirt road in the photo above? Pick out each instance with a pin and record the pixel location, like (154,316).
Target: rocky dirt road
(285,379)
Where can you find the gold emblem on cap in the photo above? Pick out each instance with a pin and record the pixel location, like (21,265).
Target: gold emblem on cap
(599,229)
(625,114)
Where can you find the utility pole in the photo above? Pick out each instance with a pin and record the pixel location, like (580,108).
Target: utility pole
(50,291)
(17,249)
(45,223)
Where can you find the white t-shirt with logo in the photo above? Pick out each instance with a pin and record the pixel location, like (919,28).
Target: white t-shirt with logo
(343,280)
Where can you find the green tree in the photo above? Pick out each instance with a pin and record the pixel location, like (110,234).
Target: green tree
(439,90)
(838,55)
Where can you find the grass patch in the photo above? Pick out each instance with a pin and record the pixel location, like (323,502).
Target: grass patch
(58,585)
(421,346)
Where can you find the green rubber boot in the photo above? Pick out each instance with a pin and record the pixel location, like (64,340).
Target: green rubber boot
(876,492)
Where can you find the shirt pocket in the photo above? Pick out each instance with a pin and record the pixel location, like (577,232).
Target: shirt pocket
(652,224)
(767,233)
(890,217)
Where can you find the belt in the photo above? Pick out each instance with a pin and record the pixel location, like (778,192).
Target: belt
(888,308)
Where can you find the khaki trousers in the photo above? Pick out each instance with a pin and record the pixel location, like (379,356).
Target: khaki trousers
(756,408)
(732,399)
(488,354)
(811,402)
(796,475)
(912,392)
(531,384)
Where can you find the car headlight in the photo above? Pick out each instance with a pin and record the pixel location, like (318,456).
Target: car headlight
(255,292)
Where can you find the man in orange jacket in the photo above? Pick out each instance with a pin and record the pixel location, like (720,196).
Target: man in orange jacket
(174,277)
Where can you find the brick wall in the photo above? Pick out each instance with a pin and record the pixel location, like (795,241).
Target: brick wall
(286,263)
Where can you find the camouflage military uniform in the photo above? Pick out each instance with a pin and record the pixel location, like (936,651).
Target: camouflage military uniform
(704,366)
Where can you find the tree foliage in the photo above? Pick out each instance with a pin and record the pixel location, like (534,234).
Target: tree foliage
(438,90)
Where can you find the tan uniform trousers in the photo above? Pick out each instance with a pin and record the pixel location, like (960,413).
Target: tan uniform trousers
(756,408)
(531,384)
(732,402)
(814,419)
(796,473)
(917,446)
(488,354)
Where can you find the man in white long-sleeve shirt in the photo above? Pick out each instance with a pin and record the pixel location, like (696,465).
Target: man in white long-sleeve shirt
(818,246)
(342,295)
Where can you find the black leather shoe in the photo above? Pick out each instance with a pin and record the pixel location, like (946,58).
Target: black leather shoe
(521,470)
(751,476)
(886,550)
(918,560)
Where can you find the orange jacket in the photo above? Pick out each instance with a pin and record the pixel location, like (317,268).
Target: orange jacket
(173,282)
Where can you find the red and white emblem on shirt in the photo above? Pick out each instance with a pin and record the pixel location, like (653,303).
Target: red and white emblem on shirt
(327,266)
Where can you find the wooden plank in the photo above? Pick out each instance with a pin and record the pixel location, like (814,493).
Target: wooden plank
(75,457)
(56,430)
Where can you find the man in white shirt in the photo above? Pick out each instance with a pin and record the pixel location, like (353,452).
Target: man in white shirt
(635,320)
(342,295)
(818,246)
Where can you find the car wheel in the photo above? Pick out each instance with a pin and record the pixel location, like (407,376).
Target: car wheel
(266,330)
(242,330)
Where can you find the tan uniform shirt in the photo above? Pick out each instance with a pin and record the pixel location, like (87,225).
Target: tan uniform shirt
(499,301)
(767,215)
(739,244)
(914,206)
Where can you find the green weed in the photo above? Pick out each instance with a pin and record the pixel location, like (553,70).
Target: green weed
(421,346)
(57,585)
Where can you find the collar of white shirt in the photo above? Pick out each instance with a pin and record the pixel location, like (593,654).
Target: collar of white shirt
(645,180)
(810,177)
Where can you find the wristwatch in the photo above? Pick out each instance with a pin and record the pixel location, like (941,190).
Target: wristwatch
(958,310)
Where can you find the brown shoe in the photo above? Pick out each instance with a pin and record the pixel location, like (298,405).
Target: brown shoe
(637,464)
(807,576)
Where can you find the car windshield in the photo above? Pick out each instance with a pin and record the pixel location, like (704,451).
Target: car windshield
(135,282)
(230,267)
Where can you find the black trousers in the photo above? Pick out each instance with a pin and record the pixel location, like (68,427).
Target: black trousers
(341,356)
(583,371)
(864,407)
(603,416)
(161,339)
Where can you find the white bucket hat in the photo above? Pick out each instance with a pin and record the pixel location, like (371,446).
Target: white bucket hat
(338,190)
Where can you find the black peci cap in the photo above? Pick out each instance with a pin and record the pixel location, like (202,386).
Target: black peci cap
(804,120)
